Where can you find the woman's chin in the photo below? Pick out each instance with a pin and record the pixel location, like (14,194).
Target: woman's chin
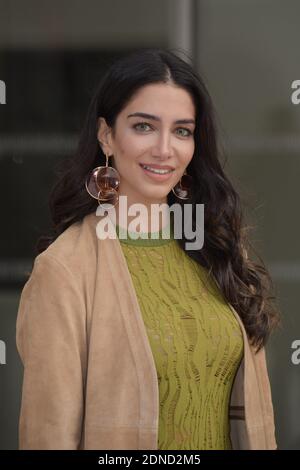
(153,197)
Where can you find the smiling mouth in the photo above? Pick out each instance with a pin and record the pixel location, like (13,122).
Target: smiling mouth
(156,170)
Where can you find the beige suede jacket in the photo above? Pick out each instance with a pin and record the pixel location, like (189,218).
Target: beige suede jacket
(90,380)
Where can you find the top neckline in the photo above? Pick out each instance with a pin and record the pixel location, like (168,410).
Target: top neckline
(161,237)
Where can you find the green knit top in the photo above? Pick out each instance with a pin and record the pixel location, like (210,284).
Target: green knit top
(196,341)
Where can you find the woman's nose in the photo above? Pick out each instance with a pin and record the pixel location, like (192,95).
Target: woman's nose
(164,147)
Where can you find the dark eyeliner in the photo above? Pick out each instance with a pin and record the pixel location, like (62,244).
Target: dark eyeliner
(147,124)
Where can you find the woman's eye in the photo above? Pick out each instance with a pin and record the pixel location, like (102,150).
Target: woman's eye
(187,131)
(141,126)
(136,126)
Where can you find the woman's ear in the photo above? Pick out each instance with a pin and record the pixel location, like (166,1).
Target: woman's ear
(104,136)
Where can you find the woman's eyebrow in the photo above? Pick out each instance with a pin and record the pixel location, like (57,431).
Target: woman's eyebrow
(156,118)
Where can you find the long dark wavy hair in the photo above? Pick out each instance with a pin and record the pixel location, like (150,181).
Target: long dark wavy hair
(245,284)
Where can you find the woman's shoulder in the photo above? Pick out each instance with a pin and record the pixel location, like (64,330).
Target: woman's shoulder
(74,248)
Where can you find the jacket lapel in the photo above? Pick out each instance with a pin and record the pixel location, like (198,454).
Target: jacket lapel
(245,412)
(140,346)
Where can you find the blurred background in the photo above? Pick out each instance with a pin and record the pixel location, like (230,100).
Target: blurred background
(52,55)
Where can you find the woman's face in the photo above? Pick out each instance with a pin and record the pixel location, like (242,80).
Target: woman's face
(158,140)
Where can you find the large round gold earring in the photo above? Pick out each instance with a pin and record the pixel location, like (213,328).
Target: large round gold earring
(182,189)
(103,183)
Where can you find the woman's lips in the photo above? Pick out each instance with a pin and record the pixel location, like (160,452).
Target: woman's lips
(156,176)
(158,167)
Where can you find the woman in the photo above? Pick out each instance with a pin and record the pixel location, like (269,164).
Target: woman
(143,343)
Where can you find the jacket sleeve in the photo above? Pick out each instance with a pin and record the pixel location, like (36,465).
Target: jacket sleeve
(51,341)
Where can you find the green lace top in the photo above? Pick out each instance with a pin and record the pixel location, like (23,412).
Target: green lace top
(196,341)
